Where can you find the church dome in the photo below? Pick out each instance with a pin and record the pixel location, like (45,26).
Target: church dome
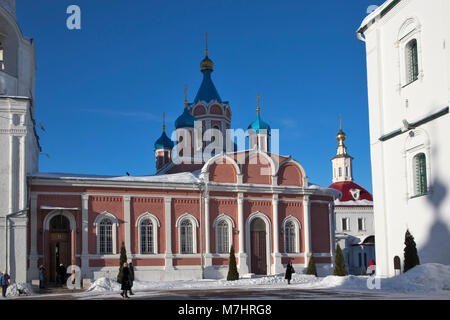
(259,124)
(186,120)
(207,64)
(164,142)
(351,191)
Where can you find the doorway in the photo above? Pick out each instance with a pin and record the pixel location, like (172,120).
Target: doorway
(59,245)
(258,247)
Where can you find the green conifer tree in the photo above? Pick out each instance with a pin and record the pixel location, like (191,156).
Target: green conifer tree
(233,274)
(339,263)
(312,270)
(410,252)
(123,259)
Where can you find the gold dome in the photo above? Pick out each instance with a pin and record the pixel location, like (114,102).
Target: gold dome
(340,137)
(207,64)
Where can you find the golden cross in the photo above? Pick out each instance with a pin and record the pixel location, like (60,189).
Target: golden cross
(164,121)
(206,51)
(185,96)
(340,122)
(257,99)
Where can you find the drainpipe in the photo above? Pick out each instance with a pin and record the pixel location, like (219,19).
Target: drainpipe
(360,37)
(6,235)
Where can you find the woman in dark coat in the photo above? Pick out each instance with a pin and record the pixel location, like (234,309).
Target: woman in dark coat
(289,271)
(130,266)
(125,281)
(42,277)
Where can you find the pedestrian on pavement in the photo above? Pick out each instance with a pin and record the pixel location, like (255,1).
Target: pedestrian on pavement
(61,272)
(289,271)
(4,282)
(125,281)
(42,277)
(130,266)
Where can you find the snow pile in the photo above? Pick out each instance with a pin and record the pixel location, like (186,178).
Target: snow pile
(104,285)
(19,289)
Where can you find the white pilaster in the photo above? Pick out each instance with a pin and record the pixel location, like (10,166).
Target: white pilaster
(127,225)
(84,235)
(34,270)
(208,257)
(168,232)
(277,266)
(332,232)
(242,264)
(307,222)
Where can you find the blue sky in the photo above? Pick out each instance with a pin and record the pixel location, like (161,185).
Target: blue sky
(101,90)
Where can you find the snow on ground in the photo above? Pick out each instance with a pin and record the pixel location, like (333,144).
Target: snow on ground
(19,289)
(427,278)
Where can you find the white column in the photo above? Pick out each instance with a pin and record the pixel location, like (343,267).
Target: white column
(277,267)
(168,231)
(85,235)
(127,225)
(307,219)
(208,257)
(34,270)
(242,256)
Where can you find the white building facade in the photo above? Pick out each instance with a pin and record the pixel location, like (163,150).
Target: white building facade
(408,66)
(19,143)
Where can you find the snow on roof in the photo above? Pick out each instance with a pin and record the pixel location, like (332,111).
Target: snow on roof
(334,192)
(353,203)
(184,177)
(375,13)
(57,208)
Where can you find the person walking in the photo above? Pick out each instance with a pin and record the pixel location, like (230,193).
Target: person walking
(125,281)
(289,271)
(61,272)
(42,276)
(130,266)
(4,283)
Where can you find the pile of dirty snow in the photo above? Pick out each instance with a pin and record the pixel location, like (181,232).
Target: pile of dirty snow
(104,285)
(19,289)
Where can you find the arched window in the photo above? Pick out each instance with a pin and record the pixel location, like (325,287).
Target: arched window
(105,236)
(223,241)
(147,241)
(289,235)
(420,174)
(186,239)
(412,61)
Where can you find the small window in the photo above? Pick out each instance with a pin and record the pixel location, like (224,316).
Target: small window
(186,240)
(345,224)
(289,234)
(340,172)
(361,224)
(223,241)
(420,174)
(147,241)
(106,239)
(412,61)
(346,172)
(2,61)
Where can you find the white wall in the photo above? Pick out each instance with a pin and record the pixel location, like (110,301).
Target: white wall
(427,217)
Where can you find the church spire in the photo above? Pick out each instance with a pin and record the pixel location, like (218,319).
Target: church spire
(342,162)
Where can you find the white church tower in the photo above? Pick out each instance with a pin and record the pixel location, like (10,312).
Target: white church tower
(342,162)
(19,143)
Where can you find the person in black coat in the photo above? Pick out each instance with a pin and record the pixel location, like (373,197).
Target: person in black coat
(61,272)
(130,266)
(289,271)
(125,281)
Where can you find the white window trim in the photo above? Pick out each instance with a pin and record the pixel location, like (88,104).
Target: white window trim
(231,227)
(298,228)
(115,226)
(155,225)
(195,226)
(413,31)
(348,224)
(363,224)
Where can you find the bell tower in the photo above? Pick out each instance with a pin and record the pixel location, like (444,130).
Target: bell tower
(342,162)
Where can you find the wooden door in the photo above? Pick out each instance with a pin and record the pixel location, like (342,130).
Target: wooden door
(59,249)
(258,252)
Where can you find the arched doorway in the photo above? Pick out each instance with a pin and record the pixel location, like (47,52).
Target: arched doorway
(258,246)
(59,245)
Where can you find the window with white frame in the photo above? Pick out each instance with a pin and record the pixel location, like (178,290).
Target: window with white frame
(289,237)
(420,174)
(147,240)
(345,224)
(106,236)
(361,224)
(186,239)
(223,241)
(411,61)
